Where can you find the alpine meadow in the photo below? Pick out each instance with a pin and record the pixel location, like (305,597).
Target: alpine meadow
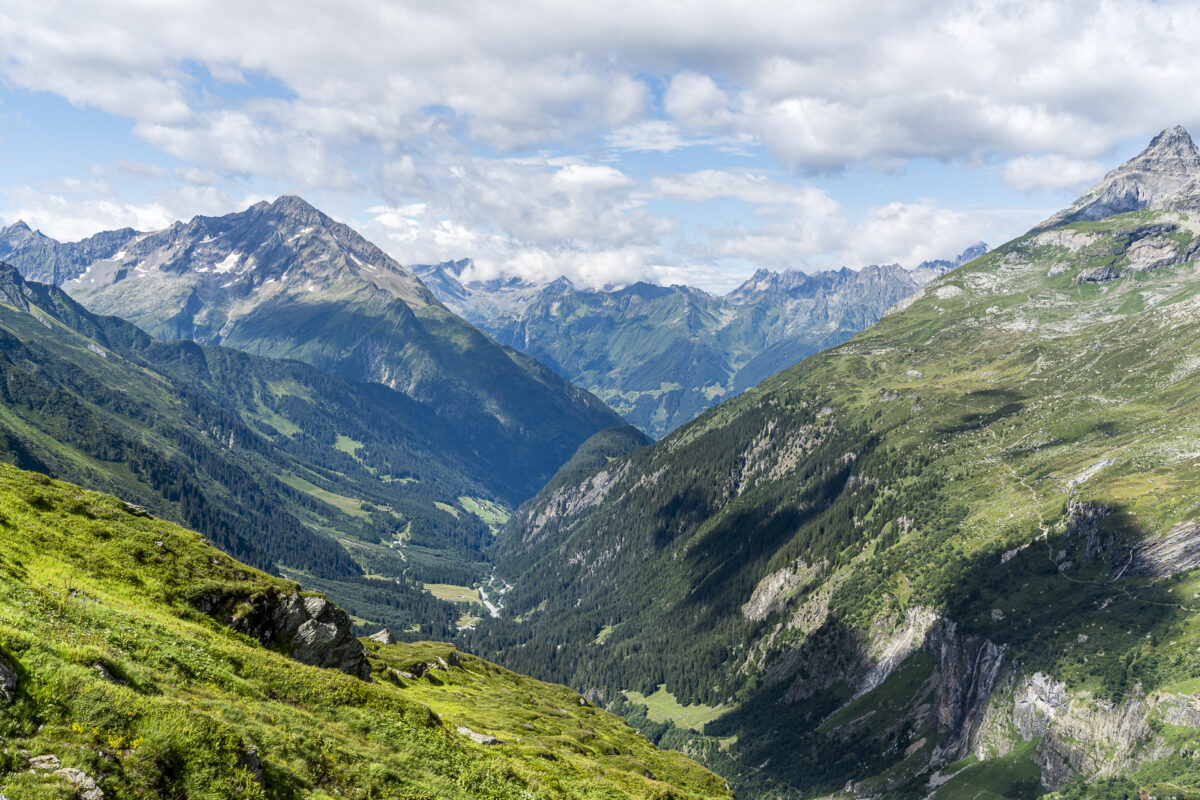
(629,401)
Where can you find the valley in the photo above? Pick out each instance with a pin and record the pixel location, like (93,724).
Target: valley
(947,552)
(952,552)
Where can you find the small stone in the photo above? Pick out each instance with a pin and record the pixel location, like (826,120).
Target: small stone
(106,675)
(47,763)
(480,738)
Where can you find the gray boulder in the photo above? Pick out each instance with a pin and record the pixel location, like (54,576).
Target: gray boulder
(383,636)
(311,629)
(480,738)
(8,681)
(85,786)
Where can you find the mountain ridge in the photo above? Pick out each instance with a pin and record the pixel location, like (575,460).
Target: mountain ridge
(284,280)
(902,567)
(1165,174)
(662,354)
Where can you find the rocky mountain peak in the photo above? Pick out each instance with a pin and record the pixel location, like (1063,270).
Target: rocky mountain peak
(294,207)
(1172,143)
(1165,174)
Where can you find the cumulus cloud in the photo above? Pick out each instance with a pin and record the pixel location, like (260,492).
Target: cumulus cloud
(819,85)
(404,103)
(1051,173)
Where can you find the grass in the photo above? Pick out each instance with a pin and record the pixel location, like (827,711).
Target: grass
(1015,775)
(493,514)
(661,706)
(452,593)
(197,710)
(347,445)
(347,504)
(449,509)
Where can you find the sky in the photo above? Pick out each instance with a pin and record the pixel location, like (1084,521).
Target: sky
(677,142)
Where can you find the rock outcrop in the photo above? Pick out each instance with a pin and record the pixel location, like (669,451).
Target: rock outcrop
(1160,176)
(8,681)
(1175,551)
(382,636)
(311,629)
(84,785)
(1079,733)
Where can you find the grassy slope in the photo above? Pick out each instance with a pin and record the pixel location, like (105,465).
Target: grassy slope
(84,582)
(902,464)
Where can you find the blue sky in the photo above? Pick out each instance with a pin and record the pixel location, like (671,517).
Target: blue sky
(660,140)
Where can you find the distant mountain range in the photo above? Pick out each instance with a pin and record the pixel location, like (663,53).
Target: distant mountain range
(660,355)
(956,556)
(284,280)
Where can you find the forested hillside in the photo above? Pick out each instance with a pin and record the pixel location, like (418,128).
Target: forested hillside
(954,554)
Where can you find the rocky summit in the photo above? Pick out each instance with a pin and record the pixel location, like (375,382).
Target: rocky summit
(1165,174)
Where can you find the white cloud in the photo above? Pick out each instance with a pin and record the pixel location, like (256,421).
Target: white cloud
(421,106)
(709,184)
(1051,173)
(909,233)
(696,102)
(821,85)
(69,220)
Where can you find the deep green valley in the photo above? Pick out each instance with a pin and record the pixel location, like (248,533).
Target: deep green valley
(286,526)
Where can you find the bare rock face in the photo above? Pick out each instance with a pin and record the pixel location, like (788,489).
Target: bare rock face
(1161,176)
(1083,524)
(313,630)
(968,669)
(1175,551)
(8,681)
(1079,734)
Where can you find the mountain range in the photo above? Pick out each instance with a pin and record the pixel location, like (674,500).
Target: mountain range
(954,556)
(284,280)
(660,355)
